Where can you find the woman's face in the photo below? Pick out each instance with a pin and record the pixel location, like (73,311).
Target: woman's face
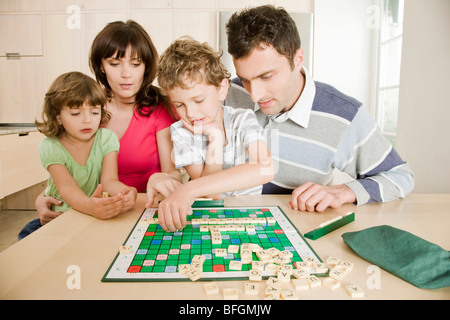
(124,75)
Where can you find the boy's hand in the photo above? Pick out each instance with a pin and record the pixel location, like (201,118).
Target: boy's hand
(209,129)
(160,183)
(172,211)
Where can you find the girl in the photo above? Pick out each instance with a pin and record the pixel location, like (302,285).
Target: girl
(77,154)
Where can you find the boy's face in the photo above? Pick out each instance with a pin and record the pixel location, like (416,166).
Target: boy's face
(270,80)
(200,104)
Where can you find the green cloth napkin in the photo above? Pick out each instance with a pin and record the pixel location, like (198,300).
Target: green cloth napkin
(413,259)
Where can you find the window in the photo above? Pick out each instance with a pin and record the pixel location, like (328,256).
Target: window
(389,62)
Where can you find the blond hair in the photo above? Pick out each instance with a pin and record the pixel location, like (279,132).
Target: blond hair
(187,60)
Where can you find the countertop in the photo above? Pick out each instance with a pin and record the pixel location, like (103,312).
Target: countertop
(17,128)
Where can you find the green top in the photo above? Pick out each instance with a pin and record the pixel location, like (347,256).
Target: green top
(87,177)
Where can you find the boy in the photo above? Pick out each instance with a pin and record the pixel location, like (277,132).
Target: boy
(221,148)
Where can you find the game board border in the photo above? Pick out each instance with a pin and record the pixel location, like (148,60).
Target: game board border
(106,279)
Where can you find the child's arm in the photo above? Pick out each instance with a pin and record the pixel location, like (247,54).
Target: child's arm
(111,184)
(259,170)
(169,178)
(102,208)
(214,153)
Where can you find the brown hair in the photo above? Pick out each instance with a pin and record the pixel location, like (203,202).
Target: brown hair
(71,89)
(263,25)
(188,59)
(115,38)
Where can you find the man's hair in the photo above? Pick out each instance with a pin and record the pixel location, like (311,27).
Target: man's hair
(261,26)
(187,60)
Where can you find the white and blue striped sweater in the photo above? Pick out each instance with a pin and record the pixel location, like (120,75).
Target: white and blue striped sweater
(340,134)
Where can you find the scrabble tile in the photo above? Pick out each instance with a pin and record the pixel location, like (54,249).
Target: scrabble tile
(287,268)
(313,281)
(283,276)
(125,250)
(182,268)
(251,289)
(273,291)
(301,265)
(354,291)
(230,294)
(197,266)
(255,275)
(333,261)
(273,251)
(331,283)
(337,273)
(309,261)
(346,264)
(220,252)
(271,220)
(272,268)
(194,275)
(300,273)
(250,229)
(273,282)
(257,265)
(233,248)
(287,254)
(199,258)
(235,265)
(320,267)
(289,295)
(211,288)
(300,284)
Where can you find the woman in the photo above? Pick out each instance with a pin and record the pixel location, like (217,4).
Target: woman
(124,61)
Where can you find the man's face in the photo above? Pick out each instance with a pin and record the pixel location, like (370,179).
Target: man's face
(270,80)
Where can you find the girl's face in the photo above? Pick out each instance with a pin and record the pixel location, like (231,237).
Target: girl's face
(124,75)
(80,123)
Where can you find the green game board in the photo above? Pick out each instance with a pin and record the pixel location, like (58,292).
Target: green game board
(156,254)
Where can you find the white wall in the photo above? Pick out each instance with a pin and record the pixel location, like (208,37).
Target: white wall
(345,48)
(423,137)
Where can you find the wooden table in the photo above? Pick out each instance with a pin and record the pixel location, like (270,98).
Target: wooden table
(42,265)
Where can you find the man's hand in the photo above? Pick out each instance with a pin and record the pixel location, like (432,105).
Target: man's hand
(315,197)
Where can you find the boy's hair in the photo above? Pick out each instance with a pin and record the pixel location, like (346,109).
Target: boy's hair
(115,38)
(71,89)
(187,60)
(264,25)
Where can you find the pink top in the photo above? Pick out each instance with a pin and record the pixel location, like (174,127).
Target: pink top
(138,156)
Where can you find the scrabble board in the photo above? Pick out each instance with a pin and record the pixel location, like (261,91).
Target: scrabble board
(151,254)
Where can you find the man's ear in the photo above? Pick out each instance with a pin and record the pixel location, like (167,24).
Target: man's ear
(299,59)
(223,89)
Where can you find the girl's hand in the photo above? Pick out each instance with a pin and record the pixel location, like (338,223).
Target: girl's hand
(129,195)
(105,208)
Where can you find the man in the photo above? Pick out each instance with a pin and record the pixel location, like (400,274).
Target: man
(311,127)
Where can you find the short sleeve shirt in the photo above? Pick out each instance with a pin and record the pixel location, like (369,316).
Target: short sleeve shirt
(87,177)
(241,128)
(139,157)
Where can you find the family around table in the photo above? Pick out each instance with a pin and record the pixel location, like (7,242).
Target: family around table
(271,130)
